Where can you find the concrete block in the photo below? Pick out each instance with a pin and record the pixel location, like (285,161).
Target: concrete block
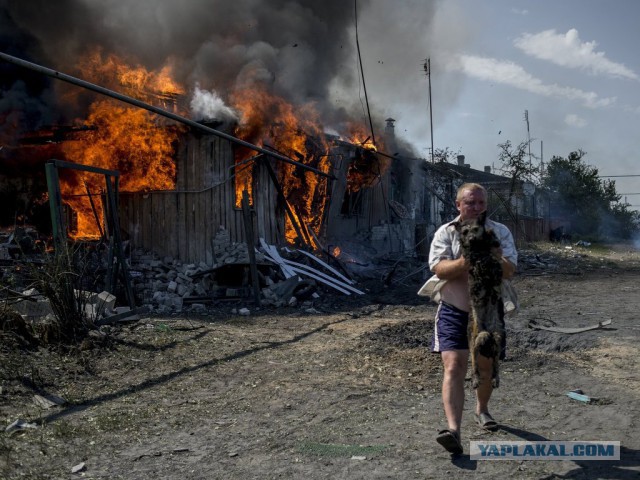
(105,301)
(28,308)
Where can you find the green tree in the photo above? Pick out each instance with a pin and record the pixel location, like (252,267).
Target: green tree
(445,155)
(589,202)
(517,164)
(623,223)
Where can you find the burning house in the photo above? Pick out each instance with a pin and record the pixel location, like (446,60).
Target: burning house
(258,121)
(335,188)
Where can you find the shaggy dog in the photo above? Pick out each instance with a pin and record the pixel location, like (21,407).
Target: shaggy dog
(486,329)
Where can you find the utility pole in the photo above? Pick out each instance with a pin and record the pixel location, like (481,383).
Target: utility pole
(427,69)
(526,119)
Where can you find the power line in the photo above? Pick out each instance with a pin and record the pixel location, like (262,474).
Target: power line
(612,176)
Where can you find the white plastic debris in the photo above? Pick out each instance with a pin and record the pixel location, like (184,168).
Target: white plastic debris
(19,425)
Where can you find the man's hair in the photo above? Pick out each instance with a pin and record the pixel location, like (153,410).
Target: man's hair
(469,186)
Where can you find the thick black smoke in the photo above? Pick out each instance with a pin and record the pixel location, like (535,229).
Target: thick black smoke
(296,48)
(302,50)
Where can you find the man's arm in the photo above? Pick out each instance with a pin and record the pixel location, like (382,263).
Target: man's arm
(506,253)
(508,268)
(450,269)
(447,269)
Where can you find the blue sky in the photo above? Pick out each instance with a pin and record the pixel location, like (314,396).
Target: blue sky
(572,64)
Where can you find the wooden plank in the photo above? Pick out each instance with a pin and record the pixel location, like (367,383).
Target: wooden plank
(124,316)
(161,219)
(214,221)
(201,228)
(192,227)
(147,236)
(124,204)
(226,204)
(276,216)
(163,210)
(150,228)
(210,204)
(156,212)
(171,213)
(231,211)
(135,216)
(181,250)
(193,153)
(307,270)
(283,199)
(259,202)
(322,280)
(200,201)
(248,225)
(215,197)
(181,158)
(274,256)
(206,225)
(289,269)
(328,267)
(196,164)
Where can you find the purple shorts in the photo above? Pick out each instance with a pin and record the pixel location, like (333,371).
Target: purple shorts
(450,330)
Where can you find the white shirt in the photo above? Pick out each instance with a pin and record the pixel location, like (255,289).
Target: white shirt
(446,246)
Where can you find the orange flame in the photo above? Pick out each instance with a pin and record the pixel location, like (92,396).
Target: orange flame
(120,138)
(367,166)
(357,134)
(270,121)
(134,80)
(132,142)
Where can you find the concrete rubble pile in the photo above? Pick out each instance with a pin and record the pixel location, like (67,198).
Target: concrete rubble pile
(34,307)
(167,285)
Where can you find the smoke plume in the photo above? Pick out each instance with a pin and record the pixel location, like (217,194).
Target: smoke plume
(302,50)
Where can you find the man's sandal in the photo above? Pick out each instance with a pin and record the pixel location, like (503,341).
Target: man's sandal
(486,421)
(450,441)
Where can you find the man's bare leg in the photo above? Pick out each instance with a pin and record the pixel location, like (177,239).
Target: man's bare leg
(485,389)
(455,370)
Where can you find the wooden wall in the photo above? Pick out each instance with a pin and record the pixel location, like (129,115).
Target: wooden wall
(184,222)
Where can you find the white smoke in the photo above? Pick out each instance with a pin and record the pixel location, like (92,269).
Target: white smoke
(208,105)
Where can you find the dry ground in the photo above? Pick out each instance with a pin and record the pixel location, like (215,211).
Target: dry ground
(349,392)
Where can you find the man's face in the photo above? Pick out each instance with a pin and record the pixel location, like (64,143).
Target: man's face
(472,204)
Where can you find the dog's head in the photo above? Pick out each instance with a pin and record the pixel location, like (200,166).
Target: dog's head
(474,236)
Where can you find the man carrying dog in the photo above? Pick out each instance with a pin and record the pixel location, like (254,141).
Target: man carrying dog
(449,287)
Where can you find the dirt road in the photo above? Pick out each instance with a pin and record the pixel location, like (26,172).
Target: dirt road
(350,391)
